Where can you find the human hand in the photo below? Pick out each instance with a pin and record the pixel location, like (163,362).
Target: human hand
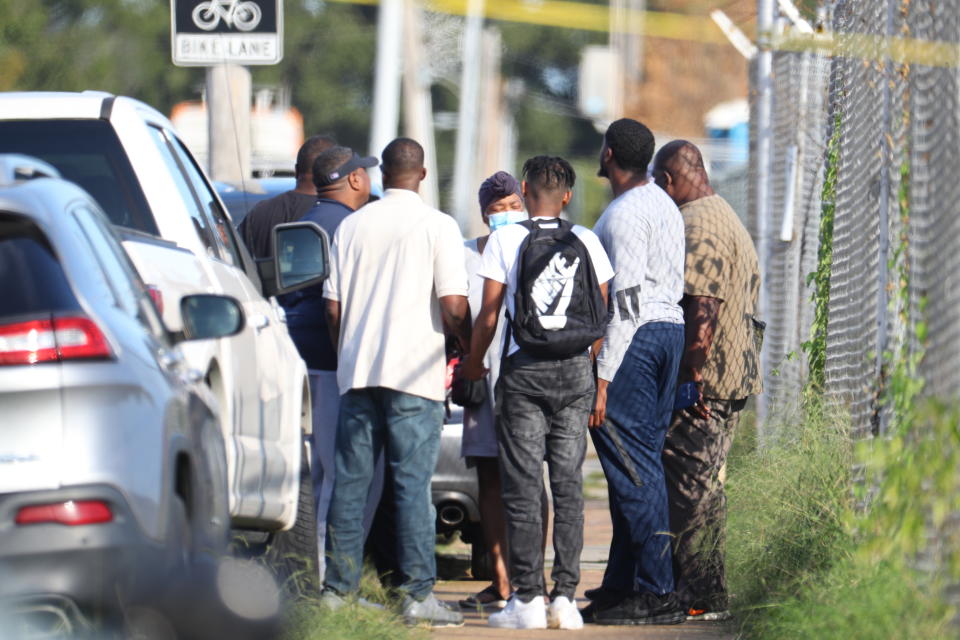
(472,368)
(599,413)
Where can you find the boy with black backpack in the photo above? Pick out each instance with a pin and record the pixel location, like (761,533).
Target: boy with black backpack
(552,276)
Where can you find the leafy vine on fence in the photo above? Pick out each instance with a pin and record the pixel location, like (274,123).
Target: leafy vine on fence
(816,346)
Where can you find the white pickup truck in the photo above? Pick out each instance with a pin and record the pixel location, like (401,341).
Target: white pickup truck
(182,241)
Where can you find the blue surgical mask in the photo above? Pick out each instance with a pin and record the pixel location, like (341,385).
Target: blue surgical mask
(503,218)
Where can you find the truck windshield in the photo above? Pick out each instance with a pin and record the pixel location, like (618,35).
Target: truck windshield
(88,153)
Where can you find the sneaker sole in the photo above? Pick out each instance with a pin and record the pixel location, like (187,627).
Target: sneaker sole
(663,618)
(721,616)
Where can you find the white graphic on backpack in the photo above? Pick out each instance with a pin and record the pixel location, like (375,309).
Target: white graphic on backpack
(555,281)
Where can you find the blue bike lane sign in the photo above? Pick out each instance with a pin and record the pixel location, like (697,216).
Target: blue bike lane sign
(210,32)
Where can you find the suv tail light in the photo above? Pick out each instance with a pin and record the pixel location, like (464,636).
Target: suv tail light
(157,296)
(70,513)
(52,340)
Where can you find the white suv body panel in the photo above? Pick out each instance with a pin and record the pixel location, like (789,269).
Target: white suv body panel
(258,377)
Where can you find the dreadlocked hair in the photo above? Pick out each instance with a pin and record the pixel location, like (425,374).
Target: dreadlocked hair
(551,173)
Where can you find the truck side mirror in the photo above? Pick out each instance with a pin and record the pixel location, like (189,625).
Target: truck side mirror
(301,258)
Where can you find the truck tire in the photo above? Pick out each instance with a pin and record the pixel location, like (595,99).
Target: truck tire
(292,554)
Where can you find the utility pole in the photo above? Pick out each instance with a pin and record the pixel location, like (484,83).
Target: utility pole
(626,42)
(465,155)
(766,17)
(417,104)
(488,156)
(386,82)
(228,91)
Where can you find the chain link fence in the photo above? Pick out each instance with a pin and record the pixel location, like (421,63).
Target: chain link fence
(896,204)
(896,226)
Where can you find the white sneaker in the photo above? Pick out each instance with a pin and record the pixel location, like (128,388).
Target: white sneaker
(563,614)
(520,615)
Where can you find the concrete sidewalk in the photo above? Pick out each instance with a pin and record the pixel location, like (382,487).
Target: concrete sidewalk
(597,533)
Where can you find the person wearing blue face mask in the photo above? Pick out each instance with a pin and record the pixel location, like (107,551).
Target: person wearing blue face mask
(500,204)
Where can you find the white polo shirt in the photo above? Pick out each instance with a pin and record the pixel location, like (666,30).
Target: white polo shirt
(390,263)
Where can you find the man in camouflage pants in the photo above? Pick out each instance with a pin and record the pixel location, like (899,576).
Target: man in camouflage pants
(721,358)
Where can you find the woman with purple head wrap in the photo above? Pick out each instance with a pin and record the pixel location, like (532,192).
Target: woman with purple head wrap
(501,203)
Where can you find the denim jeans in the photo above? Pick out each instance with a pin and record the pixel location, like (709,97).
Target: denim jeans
(542,411)
(407,428)
(323,445)
(629,444)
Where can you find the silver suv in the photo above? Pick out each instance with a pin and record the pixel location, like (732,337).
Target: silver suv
(113,476)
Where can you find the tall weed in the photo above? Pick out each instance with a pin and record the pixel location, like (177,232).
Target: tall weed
(786,505)
(805,560)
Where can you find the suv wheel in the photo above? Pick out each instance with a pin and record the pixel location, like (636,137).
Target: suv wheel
(293,554)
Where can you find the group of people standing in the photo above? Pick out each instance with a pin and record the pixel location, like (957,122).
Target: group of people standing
(641,331)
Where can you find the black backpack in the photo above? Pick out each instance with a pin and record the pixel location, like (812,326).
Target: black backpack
(558,308)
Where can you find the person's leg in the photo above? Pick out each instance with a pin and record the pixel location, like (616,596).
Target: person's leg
(521,431)
(694,453)
(359,442)
(493,521)
(375,495)
(639,401)
(618,576)
(325,396)
(413,443)
(566,448)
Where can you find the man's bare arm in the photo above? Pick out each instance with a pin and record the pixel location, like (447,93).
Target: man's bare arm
(485,328)
(700,314)
(599,413)
(455,312)
(332,310)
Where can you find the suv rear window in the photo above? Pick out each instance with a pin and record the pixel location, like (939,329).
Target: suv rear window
(88,153)
(33,280)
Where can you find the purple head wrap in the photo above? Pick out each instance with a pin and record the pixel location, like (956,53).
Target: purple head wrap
(498,186)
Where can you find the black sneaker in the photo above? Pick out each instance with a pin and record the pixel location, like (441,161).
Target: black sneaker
(603,594)
(641,609)
(600,598)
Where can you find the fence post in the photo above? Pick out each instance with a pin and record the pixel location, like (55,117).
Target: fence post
(766,13)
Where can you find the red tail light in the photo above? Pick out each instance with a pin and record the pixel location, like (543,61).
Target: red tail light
(51,340)
(157,296)
(70,513)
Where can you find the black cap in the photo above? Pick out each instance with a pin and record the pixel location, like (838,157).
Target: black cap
(352,164)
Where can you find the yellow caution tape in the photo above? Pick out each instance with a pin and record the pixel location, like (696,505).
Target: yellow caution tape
(569,14)
(933,53)
(587,17)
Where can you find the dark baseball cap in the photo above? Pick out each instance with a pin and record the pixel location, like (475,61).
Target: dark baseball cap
(352,164)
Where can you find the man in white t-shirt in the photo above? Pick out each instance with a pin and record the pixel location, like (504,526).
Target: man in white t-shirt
(397,281)
(642,232)
(542,406)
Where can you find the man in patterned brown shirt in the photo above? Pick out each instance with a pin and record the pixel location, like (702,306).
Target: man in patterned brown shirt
(721,360)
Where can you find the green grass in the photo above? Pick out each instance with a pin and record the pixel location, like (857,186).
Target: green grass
(308,621)
(804,561)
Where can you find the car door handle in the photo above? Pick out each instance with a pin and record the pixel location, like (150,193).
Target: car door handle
(259,322)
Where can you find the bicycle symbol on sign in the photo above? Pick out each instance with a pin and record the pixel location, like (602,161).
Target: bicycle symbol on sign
(244,16)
